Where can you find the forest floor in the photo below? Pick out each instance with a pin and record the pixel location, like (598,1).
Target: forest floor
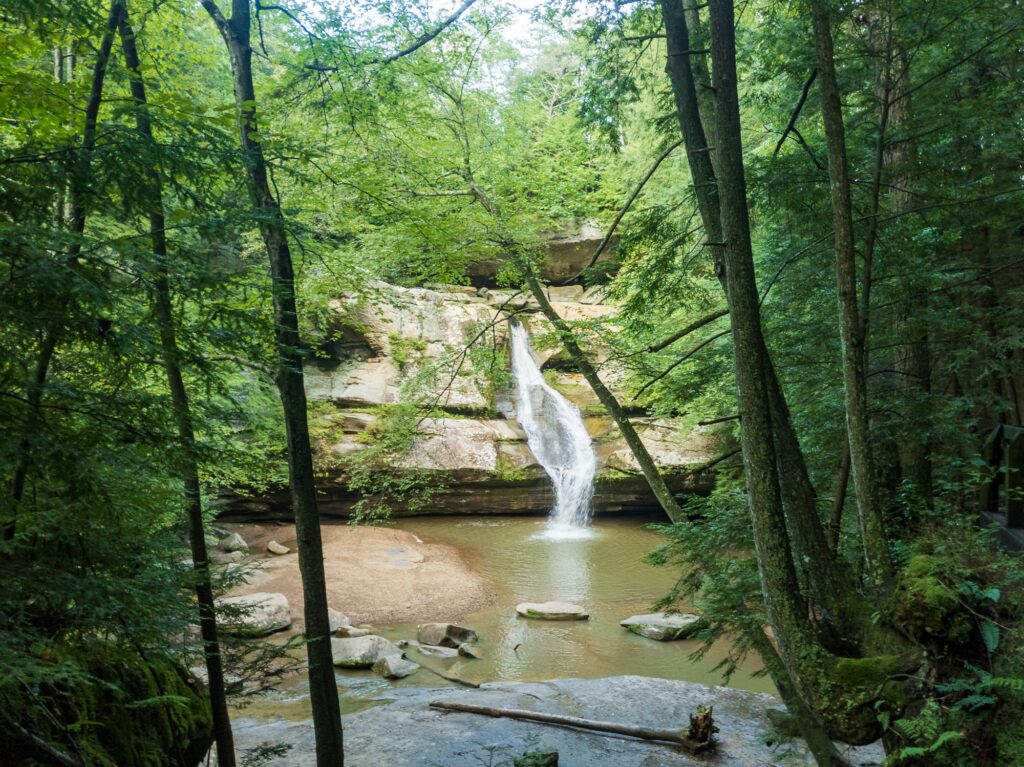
(375,575)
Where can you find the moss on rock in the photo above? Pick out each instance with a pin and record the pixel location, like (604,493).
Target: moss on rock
(132,710)
(925,606)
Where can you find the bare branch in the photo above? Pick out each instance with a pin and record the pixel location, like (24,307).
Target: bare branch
(632,198)
(428,36)
(791,125)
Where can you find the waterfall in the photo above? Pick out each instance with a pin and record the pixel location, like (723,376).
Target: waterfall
(558,438)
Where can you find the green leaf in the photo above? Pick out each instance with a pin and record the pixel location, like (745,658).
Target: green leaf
(992,593)
(990,635)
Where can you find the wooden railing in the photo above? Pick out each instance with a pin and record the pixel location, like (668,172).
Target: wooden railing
(1004,454)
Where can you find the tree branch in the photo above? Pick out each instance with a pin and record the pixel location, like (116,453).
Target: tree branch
(686,331)
(427,37)
(632,198)
(679,362)
(791,125)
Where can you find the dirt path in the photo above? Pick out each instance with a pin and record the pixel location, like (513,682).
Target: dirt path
(375,575)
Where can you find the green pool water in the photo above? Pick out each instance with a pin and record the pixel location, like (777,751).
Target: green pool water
(604,573)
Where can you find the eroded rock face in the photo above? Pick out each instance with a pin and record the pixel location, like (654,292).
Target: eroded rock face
(664,627)
(256,614)
(473,441)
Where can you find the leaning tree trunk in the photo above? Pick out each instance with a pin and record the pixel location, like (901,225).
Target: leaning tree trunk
(826,587)
(844,707)
(876,549)
(323,689)
(78,206)
(629,434)
(164,314)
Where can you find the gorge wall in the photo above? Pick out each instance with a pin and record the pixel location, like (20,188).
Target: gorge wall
(446,348)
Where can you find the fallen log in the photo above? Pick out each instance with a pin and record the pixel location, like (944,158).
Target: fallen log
(697,738)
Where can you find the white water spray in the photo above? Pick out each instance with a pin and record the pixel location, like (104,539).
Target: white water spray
(558,438)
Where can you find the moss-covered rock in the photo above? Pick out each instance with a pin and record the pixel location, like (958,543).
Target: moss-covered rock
(130,710)
(925,607)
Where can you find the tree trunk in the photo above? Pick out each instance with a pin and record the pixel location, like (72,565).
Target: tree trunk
(807,724)
(818,572)
(54,329)
(629,434)
(876,548)
(322,684)
(844,710)
(164,314)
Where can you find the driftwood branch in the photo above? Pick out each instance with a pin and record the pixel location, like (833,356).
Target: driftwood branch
(696,739)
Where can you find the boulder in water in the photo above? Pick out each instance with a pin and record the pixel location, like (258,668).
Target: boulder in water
(362,652)
(552,611)
(470,651)
(664,627)
(219,557)
(277,548)
(352,632)
(394,667)
(444,634)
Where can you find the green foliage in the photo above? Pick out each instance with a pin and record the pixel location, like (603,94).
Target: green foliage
(377,474)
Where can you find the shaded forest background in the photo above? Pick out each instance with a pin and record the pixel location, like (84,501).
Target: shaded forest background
(155,158)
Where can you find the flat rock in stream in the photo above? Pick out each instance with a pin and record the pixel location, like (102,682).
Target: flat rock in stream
(552,611)
(403,731)
(664,627)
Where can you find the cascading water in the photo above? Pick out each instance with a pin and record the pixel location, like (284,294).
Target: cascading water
(558,438)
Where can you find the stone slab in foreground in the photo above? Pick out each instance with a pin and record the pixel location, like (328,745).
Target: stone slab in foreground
(406,733)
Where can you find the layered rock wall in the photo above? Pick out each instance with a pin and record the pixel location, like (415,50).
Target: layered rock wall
(445,348)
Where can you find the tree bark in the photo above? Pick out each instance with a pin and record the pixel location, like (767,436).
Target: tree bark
(236,33)
(876,548)
(77,204)
(629,434)
(164,314)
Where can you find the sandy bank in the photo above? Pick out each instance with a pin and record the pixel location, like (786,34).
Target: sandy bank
(375,575)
